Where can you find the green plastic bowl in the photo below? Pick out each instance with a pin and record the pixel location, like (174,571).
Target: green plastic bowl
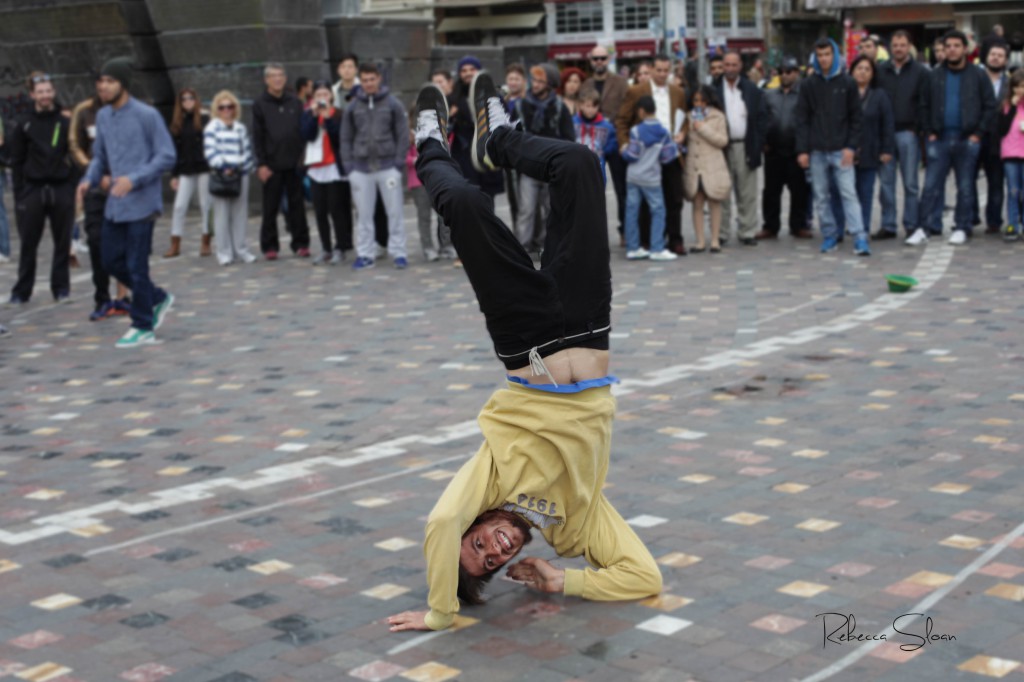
(900,284)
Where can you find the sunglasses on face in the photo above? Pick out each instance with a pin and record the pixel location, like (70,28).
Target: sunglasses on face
(599,59)
(225,107)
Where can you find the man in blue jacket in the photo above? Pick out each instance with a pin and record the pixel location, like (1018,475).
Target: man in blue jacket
(828,132)
(134,148)
(958,112)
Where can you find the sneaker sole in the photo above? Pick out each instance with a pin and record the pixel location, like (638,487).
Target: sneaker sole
(120,346)
(163,312)
(429,98)
(480,166)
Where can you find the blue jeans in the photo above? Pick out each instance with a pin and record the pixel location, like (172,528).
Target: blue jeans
(1013,169)
(5,227)
(126,248)
(656,202)
(865,197)
(908,160)
(823,165)
(947,151)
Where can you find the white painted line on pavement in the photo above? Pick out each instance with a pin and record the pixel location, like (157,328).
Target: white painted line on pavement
(267,507)
(929,270)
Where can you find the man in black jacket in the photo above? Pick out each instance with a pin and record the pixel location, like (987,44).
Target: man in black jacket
(780,166)
(906,82)
(278,145)
(744,112)
(828,130)
(957,112)
(44,188)
(543,113)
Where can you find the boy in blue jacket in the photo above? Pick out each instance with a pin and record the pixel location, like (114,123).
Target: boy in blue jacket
(650,146)
(592,130)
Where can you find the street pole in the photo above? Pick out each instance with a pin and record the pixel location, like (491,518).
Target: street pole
(702,53)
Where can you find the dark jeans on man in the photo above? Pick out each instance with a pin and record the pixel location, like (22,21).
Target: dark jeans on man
(36,205)
(290,182)
(332,204)
(949,150)
(95,204)
(126,248)
(616,167)
(784,172)
(990,160)
(672,190)
(567,302)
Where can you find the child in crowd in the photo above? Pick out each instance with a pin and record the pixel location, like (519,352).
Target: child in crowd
(650,146)
(706,176)
(592,130)
(1011,129)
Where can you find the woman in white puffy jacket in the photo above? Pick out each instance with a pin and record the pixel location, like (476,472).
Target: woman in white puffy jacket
(228,150)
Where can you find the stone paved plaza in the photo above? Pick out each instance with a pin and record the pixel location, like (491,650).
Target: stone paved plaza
(245,502)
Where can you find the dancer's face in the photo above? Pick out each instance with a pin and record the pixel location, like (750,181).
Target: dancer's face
(490,545)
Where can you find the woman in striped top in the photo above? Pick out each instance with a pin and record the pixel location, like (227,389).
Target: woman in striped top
(228,150)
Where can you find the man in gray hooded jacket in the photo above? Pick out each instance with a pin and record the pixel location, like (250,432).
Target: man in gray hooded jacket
(374,140)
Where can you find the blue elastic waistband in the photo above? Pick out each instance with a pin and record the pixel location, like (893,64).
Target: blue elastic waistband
(577,387)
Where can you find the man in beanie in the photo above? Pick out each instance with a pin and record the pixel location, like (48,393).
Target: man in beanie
(542,113)
(134,149)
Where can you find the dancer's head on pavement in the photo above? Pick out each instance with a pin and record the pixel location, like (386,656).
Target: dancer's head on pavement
(115,81)
(494,539)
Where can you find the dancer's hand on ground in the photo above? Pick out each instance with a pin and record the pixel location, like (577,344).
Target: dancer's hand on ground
(408,620)
(538,574)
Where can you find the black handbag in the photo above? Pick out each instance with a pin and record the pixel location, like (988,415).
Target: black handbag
(226,186)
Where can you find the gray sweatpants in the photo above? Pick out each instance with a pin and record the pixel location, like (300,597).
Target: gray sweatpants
(534,207)
(364,197)
(230,222)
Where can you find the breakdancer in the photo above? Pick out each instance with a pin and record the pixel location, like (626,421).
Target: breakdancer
(547,433)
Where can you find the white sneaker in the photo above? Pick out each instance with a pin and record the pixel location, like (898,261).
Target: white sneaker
(958,238)
(431,255)
(639,254)
(919,237)
(663,255)
(4,259)
(248,257)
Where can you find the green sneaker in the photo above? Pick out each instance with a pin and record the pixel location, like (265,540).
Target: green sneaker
(135,337)
(161,309)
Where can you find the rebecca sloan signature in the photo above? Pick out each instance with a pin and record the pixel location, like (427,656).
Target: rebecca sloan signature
(840,628)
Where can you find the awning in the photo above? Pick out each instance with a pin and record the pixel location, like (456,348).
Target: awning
(491,22)
(570,52)
(632,49)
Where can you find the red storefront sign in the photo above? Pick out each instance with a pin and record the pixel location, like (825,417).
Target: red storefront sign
(570,52)
(635,49)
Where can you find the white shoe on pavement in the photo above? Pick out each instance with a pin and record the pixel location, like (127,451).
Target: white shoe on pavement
(919,237)
(663,255)
(958,238)
(638,254)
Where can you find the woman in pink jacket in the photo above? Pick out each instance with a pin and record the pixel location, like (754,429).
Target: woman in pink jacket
(1011,128)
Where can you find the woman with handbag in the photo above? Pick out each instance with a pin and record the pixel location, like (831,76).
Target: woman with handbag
(332,195)
(191,173)
(229,152)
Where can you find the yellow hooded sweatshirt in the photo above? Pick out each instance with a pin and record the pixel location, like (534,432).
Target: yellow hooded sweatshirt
(545,457)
